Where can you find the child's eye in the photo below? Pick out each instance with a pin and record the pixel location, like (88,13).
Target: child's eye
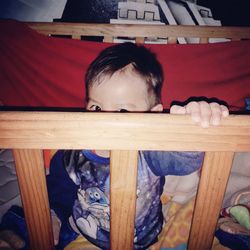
(123,110)
(95,108)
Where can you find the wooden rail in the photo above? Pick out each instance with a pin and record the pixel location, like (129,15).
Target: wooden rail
(124,134)
(120,131)
(123,30)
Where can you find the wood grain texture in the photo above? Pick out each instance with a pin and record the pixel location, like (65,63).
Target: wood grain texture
(121,131)
(215,173)
(123,174)
(32,184)
(131,30)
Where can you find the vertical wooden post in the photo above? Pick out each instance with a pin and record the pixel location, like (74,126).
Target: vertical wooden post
(32,184)
(204,40)
(139,39)
(77,37)
(214,176)
(123,174)
(108,39)
(172,40)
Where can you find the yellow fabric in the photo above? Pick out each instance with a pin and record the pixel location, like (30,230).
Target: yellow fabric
(81,243)
(176,229)
(174,233)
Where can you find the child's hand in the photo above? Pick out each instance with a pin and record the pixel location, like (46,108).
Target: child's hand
(202,112)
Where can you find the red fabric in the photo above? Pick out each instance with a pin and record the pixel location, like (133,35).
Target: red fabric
(36,70)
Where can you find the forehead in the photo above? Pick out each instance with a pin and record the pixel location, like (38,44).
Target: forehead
(122,81)
(124,87)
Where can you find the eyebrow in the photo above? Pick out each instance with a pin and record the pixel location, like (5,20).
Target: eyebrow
(93,100)
(118,104)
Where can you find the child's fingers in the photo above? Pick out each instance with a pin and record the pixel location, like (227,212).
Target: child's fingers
(178,110)
(206,113)
(224,110)
(216,113)
(193,108)
(202,112)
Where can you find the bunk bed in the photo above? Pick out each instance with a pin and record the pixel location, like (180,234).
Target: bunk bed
(30,132)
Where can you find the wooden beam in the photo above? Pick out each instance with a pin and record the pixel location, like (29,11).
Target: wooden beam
(108,39)
(172,40)
(130,30)
(31,178)
(123,174)
(214,177)
(122,131)
(204,40)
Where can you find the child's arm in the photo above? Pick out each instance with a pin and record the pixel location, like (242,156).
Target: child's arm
(202,112)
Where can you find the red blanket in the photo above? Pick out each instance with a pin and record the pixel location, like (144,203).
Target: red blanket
(36,70)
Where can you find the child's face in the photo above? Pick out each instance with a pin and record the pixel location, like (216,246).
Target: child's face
(125,90)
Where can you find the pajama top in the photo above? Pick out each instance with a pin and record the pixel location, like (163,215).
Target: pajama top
(79,182)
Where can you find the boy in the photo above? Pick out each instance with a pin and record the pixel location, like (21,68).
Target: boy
(123,78)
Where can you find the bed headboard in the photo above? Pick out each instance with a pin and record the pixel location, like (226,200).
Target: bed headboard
(27,133)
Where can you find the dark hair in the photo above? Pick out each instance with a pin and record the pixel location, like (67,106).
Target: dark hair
(116,57)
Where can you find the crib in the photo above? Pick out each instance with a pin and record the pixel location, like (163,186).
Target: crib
(28,133)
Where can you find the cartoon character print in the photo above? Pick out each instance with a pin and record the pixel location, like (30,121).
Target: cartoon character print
(91,209)
(95,212)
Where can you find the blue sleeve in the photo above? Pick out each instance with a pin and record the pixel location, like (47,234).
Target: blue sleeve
(173,163)
(62,190)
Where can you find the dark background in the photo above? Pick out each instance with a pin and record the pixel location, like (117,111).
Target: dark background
(229,12)
(90,11)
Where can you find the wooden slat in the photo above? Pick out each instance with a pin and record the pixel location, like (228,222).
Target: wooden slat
(32,184)
(76,36)
(123,174)
(172,40)
(204,40)
(139,39)
(130,30)
(214,176)
(108,39)
(115,130)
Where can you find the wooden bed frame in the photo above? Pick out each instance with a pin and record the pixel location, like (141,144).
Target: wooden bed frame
(27,133)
